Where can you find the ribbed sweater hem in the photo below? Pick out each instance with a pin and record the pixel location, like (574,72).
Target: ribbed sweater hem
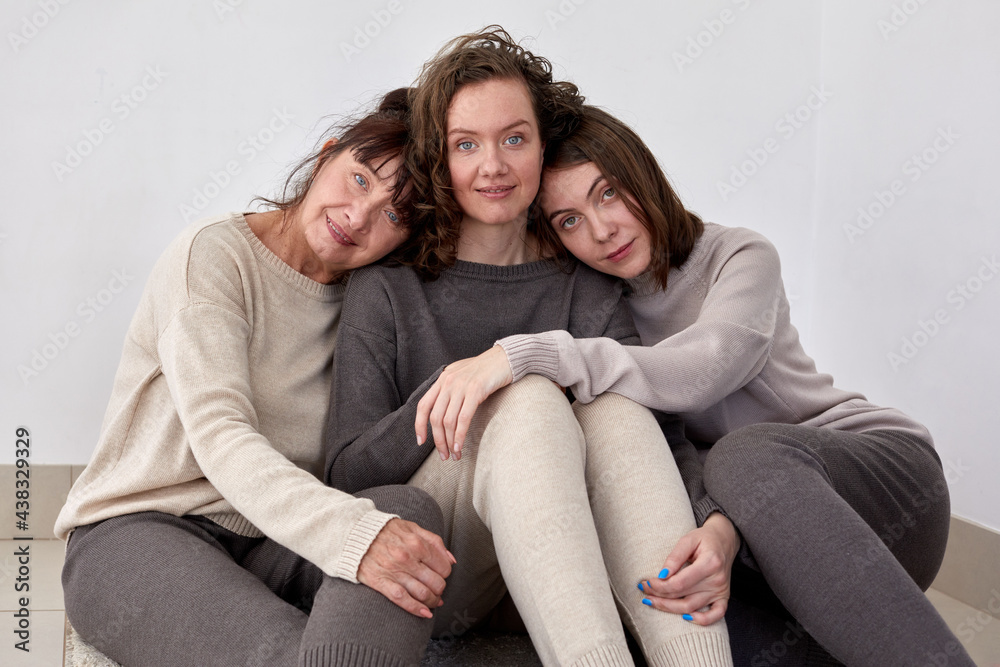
(606,656)
(537,353)
(349,655)
(357,543)
(710,649)
(237,523)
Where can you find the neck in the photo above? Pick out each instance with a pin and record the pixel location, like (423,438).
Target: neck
(280,234)
(503,244)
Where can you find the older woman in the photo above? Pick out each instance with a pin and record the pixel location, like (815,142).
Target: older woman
(200,533)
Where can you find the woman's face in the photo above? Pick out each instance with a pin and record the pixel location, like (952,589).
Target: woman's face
(347,218)
(593,222)
(494,151)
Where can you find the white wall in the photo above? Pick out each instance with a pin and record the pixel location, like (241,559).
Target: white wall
(170,93)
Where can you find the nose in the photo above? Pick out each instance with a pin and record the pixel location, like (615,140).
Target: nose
(362,213)
(493,162)
(603,227)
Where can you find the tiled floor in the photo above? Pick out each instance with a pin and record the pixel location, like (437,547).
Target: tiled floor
(979,632)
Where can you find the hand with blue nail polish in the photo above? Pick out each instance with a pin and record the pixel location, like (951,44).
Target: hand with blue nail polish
(694,581)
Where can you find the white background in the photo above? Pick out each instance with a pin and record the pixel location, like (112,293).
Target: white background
(141,103)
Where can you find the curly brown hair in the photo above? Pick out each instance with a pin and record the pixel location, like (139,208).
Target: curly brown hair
(631,168)
(375,138)
(482,56)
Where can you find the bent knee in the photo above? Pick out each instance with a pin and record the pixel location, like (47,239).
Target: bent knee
(409,503)
(526,394)
(612,406)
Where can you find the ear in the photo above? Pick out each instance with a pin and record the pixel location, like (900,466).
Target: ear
(327,145)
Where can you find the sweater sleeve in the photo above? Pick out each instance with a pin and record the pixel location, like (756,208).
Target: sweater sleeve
(205,361)
(371,439)
(689,371)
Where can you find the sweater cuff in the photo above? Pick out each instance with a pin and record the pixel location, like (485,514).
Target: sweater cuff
(704,507)
(358,541)
(531,353)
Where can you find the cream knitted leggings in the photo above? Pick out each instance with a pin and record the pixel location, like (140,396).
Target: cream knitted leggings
(575,505)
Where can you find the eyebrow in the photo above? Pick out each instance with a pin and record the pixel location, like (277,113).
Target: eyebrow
(462,130)
(374,172)
(600,177)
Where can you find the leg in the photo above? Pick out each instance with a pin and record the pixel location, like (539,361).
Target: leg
(523,479)
(351,624)
(152,588)
(641,510)
(233,600)
(812,505)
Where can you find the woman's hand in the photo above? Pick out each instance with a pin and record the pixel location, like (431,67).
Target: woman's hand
(452,400)
(408,565)
(700,567)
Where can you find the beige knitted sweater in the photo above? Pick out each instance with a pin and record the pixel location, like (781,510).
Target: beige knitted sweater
(220,401)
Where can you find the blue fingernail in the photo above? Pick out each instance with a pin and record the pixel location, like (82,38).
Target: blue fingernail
(664,573)
(641,588)
(688,617)
(647,602)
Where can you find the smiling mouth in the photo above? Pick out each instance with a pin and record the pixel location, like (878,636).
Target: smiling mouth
(339,235)
(621,253)
(496,191)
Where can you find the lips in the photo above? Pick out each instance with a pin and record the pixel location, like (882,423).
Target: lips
(495,191)
(338,233)
(621,253)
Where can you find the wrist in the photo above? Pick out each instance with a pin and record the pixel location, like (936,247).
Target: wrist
(721,525)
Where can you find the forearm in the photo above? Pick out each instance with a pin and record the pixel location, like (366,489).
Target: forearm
(365,449)
(681,374)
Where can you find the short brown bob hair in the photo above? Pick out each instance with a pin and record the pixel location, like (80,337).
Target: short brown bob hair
(482,56)
(375,138)
(631,168)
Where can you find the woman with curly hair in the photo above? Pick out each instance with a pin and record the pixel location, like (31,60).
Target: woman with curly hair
(568,506)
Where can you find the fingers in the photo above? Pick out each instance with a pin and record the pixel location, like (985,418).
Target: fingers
(700,609)
(688,605)
(714,613)
(424,407)
(436,556)
(398,595)
(702,574)
(683,552)
(451,402)
(408,565)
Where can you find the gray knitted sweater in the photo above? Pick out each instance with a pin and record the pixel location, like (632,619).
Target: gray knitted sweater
(398,331)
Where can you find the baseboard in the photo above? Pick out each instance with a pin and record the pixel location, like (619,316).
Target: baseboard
(47,490)
(970,572)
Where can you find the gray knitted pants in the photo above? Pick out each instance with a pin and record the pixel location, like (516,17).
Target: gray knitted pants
(845,531)
(155,589)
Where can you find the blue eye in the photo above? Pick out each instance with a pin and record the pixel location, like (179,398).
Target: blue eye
(514,141)
(393,218)
(570,222)
(465,146)
(361,181)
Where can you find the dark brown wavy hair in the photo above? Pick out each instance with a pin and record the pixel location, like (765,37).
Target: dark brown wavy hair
(375,139)
(483,56)
(631,168)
